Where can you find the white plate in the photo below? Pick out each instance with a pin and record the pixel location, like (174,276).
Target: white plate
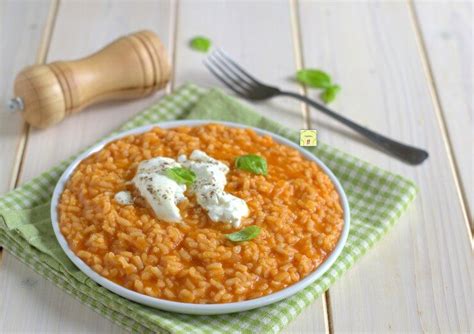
(189,308)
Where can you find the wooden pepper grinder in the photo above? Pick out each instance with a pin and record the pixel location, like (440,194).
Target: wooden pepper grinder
(130,67)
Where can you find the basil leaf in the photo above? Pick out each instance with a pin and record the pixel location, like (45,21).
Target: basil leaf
(200,43)
(248,233)
(314,78)
(329,94)
(252,163)
(181,175)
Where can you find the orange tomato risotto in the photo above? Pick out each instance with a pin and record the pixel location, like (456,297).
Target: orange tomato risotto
(296,206)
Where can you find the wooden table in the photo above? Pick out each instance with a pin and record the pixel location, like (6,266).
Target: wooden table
(405,69)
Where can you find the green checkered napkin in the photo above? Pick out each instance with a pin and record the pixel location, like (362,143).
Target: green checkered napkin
(377,198)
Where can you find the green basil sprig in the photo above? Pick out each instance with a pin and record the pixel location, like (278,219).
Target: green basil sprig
(201,44)
(319,79)
(314,78)
(181,175)
(248,233)
(330,93)
(252,163)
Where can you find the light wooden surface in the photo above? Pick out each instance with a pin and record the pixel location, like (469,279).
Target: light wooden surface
(22,29)
(382,53)
(405,69)
(445,38)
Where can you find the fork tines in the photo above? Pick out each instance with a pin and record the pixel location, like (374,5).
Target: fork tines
(230,73)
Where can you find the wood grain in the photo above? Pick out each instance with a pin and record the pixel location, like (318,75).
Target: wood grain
(420,278)
(79,30)
(446,29)
(256,34)
(30,304)
(265,48)
(21,27)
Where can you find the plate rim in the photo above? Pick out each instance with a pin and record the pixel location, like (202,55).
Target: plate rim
(190,308)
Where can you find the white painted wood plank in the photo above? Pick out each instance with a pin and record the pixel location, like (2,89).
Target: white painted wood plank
(21,27)
(447,32)
(420,277)
(259,36)
(30,304)
(80,29)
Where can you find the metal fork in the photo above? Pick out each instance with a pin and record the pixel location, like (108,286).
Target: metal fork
(247,86)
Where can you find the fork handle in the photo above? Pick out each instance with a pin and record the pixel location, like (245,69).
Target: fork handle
(409,154)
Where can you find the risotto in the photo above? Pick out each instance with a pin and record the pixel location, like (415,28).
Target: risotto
(295,205)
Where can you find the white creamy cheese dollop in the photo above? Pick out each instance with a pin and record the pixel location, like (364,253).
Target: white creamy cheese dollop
(161,193)
(209,189)
(124,197)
